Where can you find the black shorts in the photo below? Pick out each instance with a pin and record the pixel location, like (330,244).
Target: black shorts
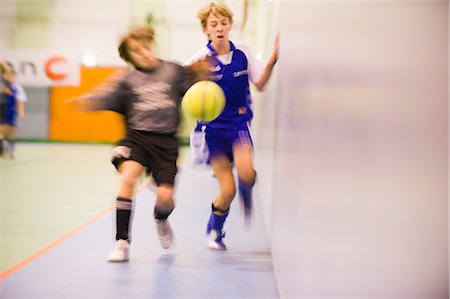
(2,112)
(158,153)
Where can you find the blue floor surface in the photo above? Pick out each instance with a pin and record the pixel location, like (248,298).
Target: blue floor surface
(77,268)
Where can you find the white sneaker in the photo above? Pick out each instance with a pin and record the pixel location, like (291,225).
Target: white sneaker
(120,252)
(164,232)
(214,240)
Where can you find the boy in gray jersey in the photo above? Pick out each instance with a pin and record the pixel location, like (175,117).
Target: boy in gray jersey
(149,96)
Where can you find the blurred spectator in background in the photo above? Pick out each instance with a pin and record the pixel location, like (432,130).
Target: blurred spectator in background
(12,108)
(4,90)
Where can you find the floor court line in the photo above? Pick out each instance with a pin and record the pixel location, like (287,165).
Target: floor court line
(52,245)
(49,190)
(76,261)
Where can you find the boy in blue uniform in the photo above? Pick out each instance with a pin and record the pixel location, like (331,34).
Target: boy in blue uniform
(228,137)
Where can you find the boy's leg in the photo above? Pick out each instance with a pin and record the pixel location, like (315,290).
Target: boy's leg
(221,204)
(163,208)
(214,229)
(10,140)
(243,157)
(2,138)
(130,173)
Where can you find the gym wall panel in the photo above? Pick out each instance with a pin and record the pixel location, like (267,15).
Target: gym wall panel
(35,123)
(360,165)
(69,123)
(33,24)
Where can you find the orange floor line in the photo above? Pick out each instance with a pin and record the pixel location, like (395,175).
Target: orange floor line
(52,245)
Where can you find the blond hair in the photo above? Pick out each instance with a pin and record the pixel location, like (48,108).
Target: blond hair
(217,9)
(142,33)
(3,67)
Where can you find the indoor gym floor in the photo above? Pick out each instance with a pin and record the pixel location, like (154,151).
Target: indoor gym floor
(57,228)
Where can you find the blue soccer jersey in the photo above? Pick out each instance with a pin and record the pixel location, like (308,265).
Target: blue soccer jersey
(233,72)
(233,78)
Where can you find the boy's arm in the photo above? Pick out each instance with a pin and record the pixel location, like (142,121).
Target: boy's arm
(106,96)
(261,83)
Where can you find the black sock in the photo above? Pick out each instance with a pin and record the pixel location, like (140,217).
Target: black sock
(124,208)
(216,209)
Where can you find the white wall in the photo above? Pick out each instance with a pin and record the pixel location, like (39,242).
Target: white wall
(95,27)
(90,28)
(7,17)
(360,197)
(264,124)
(78,27)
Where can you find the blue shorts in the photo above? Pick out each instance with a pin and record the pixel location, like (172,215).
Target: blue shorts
(221,141)
(8,115)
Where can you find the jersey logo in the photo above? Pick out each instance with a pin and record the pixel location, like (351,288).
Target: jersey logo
(217,77)
(215,69)
(242,110)
(240,73)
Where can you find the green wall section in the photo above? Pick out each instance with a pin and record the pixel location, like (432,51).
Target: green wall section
(154,12)
(33,24)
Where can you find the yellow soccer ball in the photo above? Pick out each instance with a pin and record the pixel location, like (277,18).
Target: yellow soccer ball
(204,101)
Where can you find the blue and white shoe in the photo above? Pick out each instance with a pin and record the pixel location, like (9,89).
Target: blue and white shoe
(214,240)
(214,233)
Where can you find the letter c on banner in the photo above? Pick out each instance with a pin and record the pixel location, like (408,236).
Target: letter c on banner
(51,63)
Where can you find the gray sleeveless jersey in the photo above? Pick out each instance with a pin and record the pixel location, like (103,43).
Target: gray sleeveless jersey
(149,99)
